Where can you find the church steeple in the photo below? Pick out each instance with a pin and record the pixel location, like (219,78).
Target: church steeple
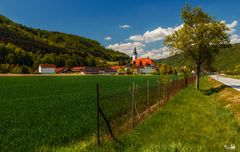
(134,57)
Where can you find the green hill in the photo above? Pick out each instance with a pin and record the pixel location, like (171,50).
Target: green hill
(226,60)
(24,46)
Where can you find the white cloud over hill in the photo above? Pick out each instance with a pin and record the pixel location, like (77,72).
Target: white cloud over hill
(154,35)
(142,41)
(127,47)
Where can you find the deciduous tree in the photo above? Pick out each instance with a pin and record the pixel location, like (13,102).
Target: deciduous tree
(199,38)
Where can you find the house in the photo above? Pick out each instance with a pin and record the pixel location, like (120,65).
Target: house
(93,70)
(118,67)
(142,65)
(47,69)
(121,70)
(61,70)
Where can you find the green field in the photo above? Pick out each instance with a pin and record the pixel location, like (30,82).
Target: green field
(46,112)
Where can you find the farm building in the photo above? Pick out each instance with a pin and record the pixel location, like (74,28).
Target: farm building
(93,70)
(47,68)
(61,70)
(142,65)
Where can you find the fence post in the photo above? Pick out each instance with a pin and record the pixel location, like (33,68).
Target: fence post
(148,100)
(159,93)
(133,98)
(98,130)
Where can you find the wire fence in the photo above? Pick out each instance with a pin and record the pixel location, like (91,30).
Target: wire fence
(127,108)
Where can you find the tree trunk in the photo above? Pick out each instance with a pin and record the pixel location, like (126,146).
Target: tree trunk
(197,77)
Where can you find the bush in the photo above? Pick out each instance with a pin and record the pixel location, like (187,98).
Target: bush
(4,68)
(17,69)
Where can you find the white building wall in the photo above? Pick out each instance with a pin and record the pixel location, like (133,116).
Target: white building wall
(46,70)
(147,70)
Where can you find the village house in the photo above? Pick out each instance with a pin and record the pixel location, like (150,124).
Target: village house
(93,70)
(47,69)
(142,65)
(63,70)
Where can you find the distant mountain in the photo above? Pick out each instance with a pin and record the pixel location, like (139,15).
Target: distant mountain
(24,46)
(226,60)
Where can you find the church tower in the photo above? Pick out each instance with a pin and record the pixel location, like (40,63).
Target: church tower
(134,57)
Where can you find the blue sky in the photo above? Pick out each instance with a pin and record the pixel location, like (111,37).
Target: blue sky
(118,24)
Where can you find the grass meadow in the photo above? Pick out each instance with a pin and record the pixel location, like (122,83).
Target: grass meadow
(38,113)
(191,121)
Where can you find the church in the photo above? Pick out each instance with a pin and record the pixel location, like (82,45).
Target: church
(142,65)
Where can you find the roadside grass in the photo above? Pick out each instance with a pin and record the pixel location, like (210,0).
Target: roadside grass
(191,121)
(228,96)
(233,76)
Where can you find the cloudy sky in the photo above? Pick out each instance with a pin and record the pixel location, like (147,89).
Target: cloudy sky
(119,24)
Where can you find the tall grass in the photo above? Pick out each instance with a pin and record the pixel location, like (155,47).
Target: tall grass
(191,121)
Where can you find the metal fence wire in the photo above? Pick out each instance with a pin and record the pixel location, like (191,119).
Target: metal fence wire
(126,108)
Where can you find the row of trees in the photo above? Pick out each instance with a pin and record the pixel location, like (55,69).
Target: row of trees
(11,68)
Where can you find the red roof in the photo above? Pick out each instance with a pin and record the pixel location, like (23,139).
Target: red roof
(117,67)
(92,70)
(62,69)
(47,65)
(145,61)
(77,69)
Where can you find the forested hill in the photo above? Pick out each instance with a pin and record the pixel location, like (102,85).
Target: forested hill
(227,61)
(28,47)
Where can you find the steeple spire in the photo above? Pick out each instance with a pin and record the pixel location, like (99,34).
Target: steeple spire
(134,57)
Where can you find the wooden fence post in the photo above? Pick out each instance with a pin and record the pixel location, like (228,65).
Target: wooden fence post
(148,97)
(98,130)
(159,94)
(133,98)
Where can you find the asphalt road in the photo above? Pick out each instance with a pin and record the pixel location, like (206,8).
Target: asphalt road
(234,83)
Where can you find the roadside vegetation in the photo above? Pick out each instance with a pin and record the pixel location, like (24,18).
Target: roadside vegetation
(233,76)
(229,97)
(190,121)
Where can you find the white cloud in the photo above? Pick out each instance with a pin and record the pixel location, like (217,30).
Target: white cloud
(127,47)
(154,35)
(158,34)
(234,38)
(108,38)
(232,26)
(159,53)
(124,26)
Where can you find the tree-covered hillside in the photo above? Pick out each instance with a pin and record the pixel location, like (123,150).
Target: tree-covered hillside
(21,46)
(226,61)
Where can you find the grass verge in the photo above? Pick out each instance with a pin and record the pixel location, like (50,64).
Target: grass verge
(228,96)
(191,121)
(233,76)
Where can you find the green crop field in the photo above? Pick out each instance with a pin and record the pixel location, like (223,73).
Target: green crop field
(43,112)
